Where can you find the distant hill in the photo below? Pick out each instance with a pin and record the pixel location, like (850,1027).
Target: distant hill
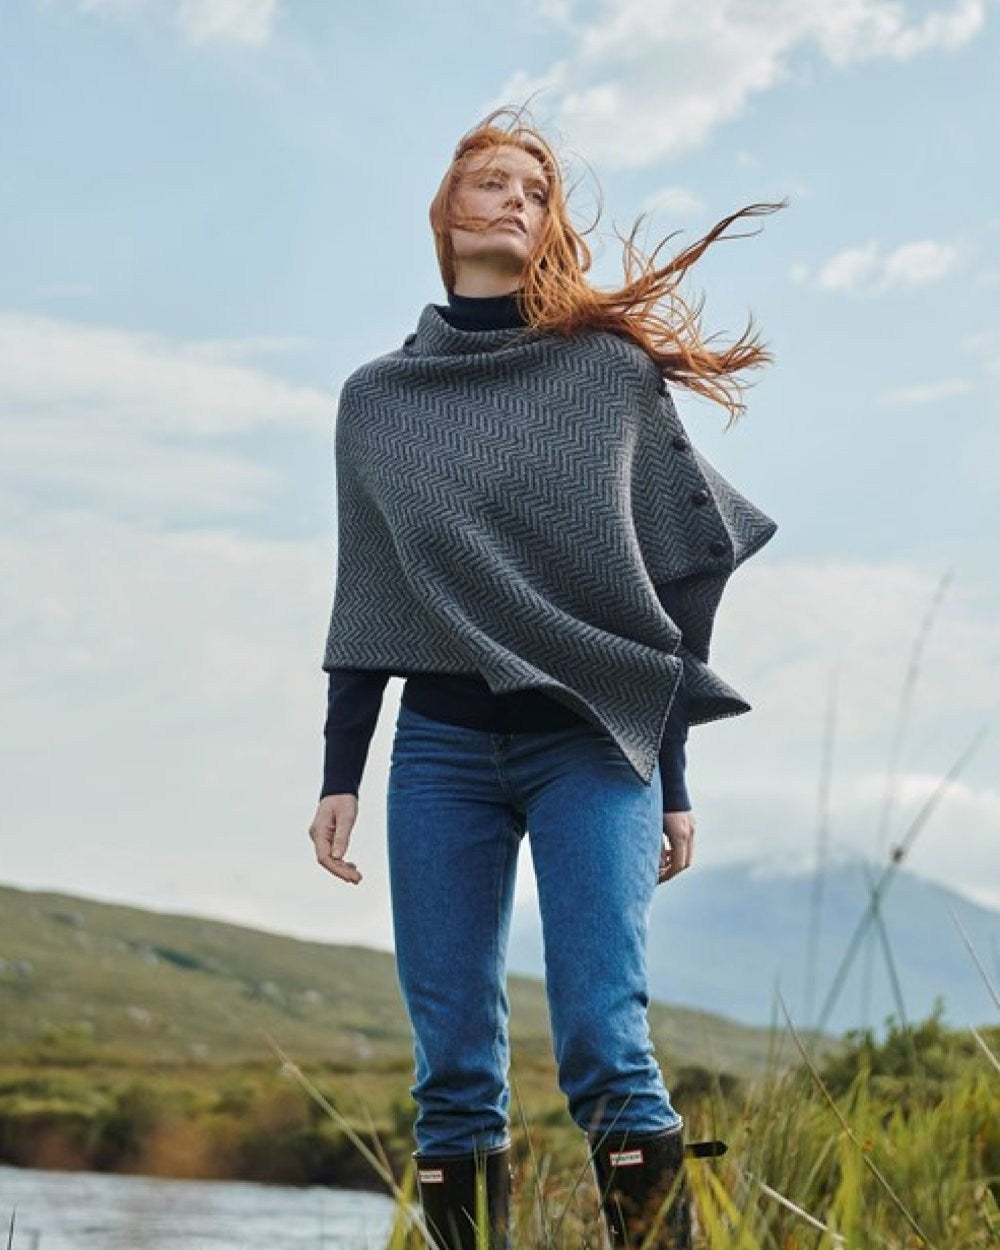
(721,939)
(165,989)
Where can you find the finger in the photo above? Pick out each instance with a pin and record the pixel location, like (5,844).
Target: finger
(331,842)
(341,868)
(341,837)
(344,871)
(677,858)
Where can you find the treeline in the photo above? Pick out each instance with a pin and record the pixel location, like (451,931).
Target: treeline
(253,1122)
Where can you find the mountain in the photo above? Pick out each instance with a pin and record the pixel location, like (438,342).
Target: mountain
(722,939)
(145,988)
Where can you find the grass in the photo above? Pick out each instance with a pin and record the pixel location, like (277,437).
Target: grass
(865,1150)
(891,1141)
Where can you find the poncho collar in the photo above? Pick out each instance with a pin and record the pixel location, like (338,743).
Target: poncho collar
(436,337)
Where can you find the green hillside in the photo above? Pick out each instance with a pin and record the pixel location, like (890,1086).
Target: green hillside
(164,990)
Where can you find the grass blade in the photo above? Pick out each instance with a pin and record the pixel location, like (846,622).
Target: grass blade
(787,1203)
(869,1163)
(976,960)
(985,1049)
(380,1168)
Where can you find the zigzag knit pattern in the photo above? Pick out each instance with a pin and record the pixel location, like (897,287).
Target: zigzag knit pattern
(506,502)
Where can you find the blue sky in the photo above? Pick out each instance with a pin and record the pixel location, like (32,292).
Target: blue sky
(213,210)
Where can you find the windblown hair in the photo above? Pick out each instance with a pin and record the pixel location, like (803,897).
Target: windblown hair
(648,309)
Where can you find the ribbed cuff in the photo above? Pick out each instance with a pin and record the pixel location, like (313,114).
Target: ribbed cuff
(344,762)
(673,764)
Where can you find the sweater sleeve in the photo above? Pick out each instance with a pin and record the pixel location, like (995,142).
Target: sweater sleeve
(673,757)
(354,700)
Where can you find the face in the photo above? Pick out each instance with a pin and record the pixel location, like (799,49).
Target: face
(506,192)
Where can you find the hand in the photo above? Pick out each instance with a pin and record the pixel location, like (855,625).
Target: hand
(331,833)
(678,844)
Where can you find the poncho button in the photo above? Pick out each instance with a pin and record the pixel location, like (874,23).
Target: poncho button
(717,547)
(679,443)
(699,496)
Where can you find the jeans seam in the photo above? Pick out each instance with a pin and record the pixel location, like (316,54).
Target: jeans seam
(499,1058)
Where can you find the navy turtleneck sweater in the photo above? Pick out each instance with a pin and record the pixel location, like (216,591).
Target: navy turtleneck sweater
(355,695)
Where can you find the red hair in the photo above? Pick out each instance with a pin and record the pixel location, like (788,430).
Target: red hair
(648,309)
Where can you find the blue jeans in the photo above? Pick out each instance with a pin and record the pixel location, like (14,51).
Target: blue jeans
(459,801)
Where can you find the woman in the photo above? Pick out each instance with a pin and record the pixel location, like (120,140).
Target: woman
(527,535)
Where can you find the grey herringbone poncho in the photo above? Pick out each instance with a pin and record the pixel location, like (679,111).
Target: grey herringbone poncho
(507,500)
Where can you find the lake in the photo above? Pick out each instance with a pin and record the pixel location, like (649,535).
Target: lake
(88,1211)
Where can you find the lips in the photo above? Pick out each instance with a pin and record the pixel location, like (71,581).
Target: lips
(513,221)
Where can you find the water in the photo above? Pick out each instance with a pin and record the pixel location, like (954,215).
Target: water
(87,1211)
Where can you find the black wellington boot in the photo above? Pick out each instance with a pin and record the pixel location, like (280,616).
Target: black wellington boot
(636,1174)
(447,1187)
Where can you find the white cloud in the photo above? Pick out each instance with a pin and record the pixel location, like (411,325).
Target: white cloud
(132,420)
(775,828)
(249,23)
(868,270)
(162,729)
(963,804)
(675,201)
(927,392)
(792,622)
(963,824)
(917,264)
(163,706)
(227,21)
(147,381)
(860,30)
(849,268)
(219,350)
(642,82)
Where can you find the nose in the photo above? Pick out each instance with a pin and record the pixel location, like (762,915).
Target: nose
(515,197)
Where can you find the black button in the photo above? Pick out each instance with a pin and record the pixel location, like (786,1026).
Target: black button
(661,386)
(699,496)
(717,547)
(679,443)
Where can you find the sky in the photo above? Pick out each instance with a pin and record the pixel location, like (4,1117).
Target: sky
(212,211)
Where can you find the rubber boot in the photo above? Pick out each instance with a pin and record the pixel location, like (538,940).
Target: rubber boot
(636,1175)
(447,1186)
